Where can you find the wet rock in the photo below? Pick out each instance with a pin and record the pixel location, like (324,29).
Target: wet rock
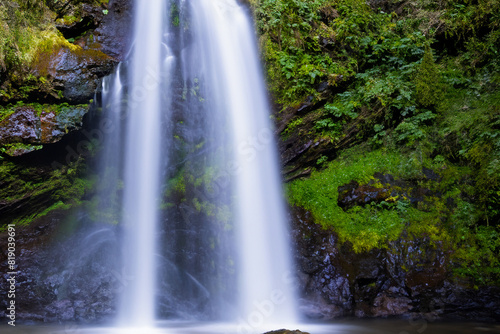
(84,16)
(112,36)
(104,27)
(65,73)
(353,194)
(319,309)
(61,309)
(28,126)
(324,283)
(301,148)
(64,275)
(75,72)
(23,125)
(384,187)
(323,87)
(385,305)
(411,278)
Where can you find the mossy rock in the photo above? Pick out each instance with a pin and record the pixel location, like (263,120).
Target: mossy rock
(27,127)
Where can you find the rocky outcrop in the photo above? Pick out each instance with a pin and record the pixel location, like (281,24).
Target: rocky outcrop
(27,128)
(385,187)
(63,76)
(113,33)
(76,73)
(103,28)
(412,277)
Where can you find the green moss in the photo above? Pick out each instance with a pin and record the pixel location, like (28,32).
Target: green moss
(442,216)
(5,113)
(176,185)
(29,42)
(22,30)
(174,14)
(292,126)
(28,219)
(68,19)
(376,224)
(68,113)
(41,189)
(14,149)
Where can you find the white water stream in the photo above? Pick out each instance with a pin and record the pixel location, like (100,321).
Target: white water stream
(209,48)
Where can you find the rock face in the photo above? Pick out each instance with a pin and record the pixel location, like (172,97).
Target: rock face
(67,74)
(69,272)
(76,281)
(102,28)
(299,148)
(113,32)
(30,127)
(75,72)
(411,278)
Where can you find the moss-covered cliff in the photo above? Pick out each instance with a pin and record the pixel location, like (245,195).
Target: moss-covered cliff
(389,119)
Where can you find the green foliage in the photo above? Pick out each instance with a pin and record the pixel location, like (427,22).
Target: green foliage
(412,129)
(428,81)
(436,111)
(63,7)
(22,24)
(478,255)
(306,42)
(292,45)
(293,125)
(471,117)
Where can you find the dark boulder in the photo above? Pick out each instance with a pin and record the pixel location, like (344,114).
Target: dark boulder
(353,194)
(105,27)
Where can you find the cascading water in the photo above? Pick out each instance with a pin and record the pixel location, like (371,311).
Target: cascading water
(225,36)
(197,117)
(142,175)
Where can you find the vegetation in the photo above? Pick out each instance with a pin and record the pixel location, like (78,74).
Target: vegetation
(45,188)
(420,83)
(28,39)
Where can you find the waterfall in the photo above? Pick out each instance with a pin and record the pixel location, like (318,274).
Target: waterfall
(203,218)
(226,37)
(142,175)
